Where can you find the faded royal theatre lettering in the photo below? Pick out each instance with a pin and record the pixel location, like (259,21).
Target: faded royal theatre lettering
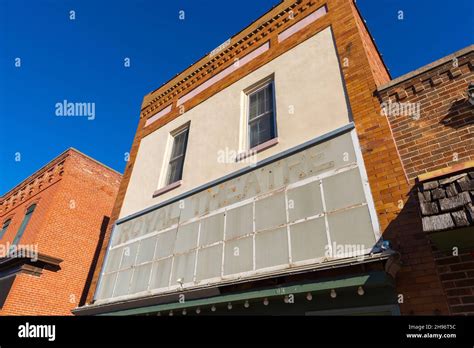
(307,163)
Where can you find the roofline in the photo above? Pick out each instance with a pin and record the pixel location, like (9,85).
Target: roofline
(372,39)
(51,163)
(206,55)
(94,160)
(428,67)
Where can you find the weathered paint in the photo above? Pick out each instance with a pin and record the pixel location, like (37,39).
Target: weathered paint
(299,205)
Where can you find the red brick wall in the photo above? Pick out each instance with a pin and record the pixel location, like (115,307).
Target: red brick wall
(441,137)
(67,225)
(444,133)
(457,276)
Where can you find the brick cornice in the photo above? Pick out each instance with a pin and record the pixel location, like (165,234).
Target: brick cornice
(35,183)
(428,77)
(261,30)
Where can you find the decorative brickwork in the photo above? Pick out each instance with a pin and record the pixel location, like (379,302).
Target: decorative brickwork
(443,132)
(74,196)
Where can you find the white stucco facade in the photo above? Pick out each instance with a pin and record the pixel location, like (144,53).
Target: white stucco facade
(309,100)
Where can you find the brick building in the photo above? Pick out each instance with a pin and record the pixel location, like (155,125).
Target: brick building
(235,200)
(432,121)
(52,225)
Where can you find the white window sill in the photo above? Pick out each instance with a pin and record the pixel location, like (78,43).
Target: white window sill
(256,149)
(167,188)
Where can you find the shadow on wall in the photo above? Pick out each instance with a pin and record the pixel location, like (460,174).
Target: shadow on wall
(87,285)
(418,285)
(460,114)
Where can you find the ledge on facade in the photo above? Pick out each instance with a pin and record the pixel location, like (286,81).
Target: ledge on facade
(167,188)
(23,262)
(426,68)
(256,149)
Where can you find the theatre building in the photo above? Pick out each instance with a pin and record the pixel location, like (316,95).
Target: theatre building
(264,180)
(52,225)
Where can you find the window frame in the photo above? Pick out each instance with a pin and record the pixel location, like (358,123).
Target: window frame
(182,157)
(248,93)
(24,223)
(5,226)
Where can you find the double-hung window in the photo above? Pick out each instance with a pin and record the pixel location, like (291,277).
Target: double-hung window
(261,114)
(178,151)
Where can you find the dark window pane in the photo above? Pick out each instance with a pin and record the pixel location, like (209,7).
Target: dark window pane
(179,144)
(253,106)
(260,101)
(261,116)
(268,98)
(4,228)
(261,130)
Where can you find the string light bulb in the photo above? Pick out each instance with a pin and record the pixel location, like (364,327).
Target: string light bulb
(213,308)
(360,291)
(229,306)
(185,312)
(246,304)
(333,293)
(198,310)
(265,302)
(309,296)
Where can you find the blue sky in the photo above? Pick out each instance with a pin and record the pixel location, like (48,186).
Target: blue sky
(82,60)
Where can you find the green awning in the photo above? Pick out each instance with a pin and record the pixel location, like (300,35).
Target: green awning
(369,280)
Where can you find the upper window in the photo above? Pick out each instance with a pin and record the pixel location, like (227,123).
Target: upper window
(261,120)
(24,223)
(5,227)
(175,167)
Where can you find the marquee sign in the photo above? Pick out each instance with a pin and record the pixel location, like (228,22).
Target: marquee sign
(297,210)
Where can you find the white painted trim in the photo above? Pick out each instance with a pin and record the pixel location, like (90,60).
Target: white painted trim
(158,115)
(302,23)
(366,186)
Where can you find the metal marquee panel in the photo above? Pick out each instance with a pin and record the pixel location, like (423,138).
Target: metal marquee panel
(292,211)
